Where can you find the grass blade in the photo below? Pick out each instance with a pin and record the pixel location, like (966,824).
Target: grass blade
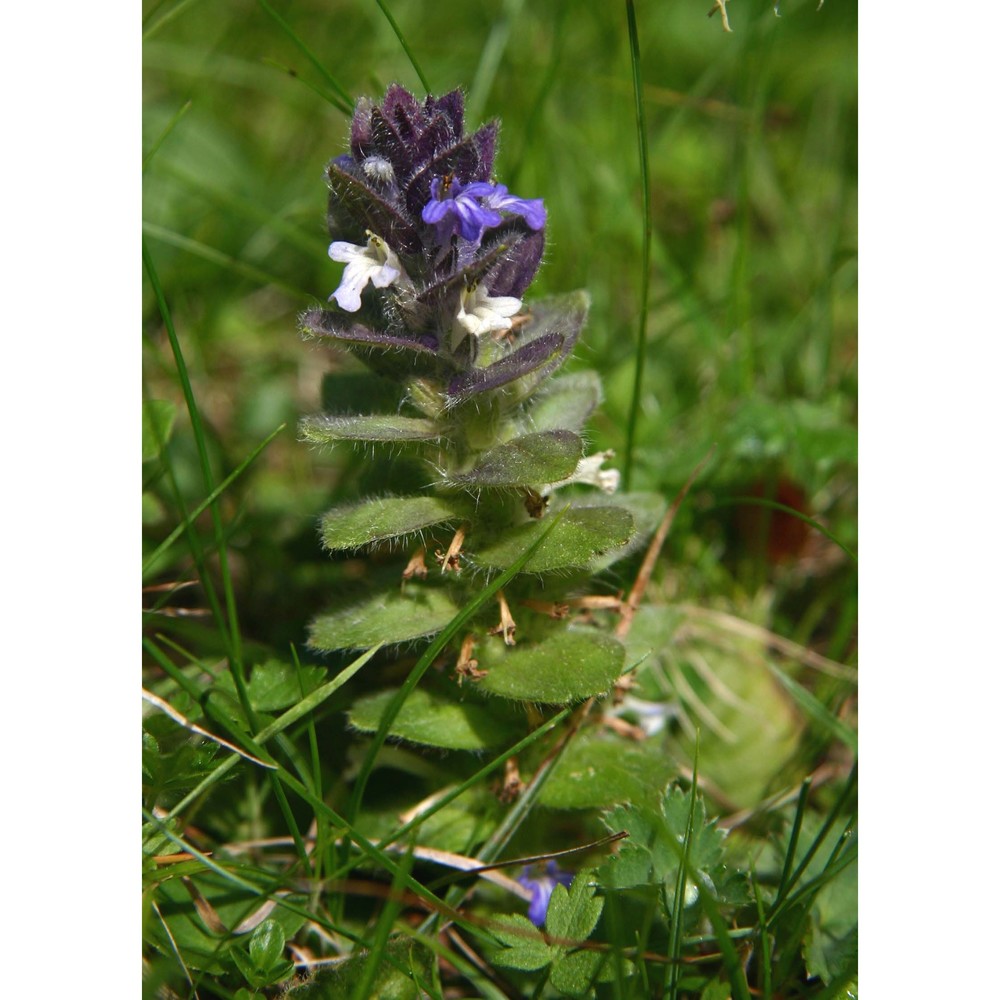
(406,48)
(647,236)
(178,115)
(815,709)
(289,718)
(342,102)
(211,498)
(234,640)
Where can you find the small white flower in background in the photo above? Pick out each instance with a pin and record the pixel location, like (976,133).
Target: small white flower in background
(374,262)
(479,314)
(653,715)
(588,470)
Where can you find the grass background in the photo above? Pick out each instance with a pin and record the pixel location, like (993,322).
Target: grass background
(752,318)
(752,321)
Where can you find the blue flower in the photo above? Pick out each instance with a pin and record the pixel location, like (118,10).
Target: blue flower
(455,208)
(541,889)
(532,209)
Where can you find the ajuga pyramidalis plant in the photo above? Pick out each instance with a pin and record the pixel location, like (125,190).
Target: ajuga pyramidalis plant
(435,300)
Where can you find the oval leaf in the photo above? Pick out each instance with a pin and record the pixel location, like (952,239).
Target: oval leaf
(566,402)
(532,459)
(600,770)
(581,536)
(436,720)
(392,617)
(354,525)
(567,666)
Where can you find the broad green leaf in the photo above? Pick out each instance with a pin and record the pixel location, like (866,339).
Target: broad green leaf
(565,403)
(157,423)
(583,535)
(647,510)
(525,949)
(601,769)
(274,685)
(566,666)
(353,525)
(574,974)
(267,943)
(392,617)
(390,983)
(328,429)
(437,720)
(573,913)
(535,459)
(651,854)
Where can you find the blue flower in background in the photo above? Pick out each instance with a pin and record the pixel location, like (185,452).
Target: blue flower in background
(455,208)
(541,887)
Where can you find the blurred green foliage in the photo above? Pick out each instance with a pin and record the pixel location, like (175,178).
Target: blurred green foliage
(753,302)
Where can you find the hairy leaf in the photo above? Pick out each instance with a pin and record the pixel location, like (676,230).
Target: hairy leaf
(435,719)
(354,208)
(328,429)
(353,525)
(565,666)
(583,535)
(601,769)
(522,362)
(565,402)
(345,329)
(394,617)
(534,459)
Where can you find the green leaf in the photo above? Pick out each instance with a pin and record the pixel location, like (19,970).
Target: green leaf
(574,974)
(535,459)
(525,949)
(651,854)
(566,666)
(565,403)
(393,617)
(573,914)
(583,535)
(328,429)
(831,946)
(353,525)
(437,720)
(601,769)
(157,424)
(267,944)
(274,685)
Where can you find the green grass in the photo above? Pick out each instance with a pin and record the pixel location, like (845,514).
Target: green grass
(711,215)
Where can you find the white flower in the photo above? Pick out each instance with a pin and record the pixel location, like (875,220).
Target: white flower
(588,470)
(375,263)
(479,314)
